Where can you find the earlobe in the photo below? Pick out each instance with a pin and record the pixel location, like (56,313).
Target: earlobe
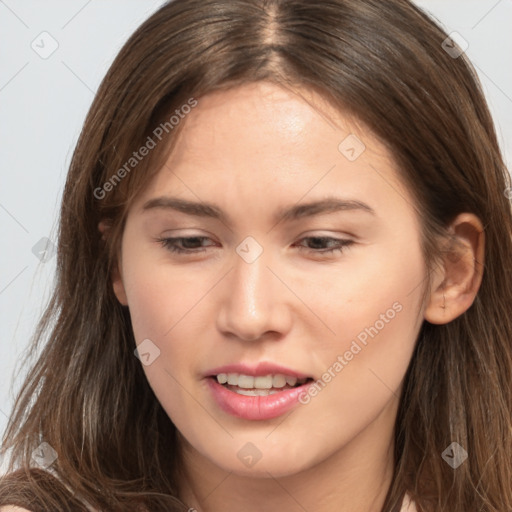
(116,276)
(118,286)
(460,277)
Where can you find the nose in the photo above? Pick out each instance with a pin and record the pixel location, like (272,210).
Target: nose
(255,302)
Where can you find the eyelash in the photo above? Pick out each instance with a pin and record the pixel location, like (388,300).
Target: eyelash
(170,244)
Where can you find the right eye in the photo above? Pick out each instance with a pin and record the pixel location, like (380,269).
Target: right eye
(176,244)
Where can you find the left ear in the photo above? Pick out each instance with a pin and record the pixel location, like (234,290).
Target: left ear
(457,280)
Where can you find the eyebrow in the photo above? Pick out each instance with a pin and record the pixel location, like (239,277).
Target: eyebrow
(286,214)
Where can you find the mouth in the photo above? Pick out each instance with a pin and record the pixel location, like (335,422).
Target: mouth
(263,385)
(257,391)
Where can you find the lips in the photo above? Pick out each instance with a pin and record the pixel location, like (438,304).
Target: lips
(257,370)
(259,392)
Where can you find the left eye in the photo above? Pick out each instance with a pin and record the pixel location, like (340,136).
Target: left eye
(173,244)
(340,244)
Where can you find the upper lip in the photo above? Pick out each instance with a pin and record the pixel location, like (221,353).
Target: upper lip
(256,370)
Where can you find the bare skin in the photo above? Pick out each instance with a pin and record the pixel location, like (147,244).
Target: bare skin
(251,151)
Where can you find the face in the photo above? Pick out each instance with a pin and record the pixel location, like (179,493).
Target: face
(305,264)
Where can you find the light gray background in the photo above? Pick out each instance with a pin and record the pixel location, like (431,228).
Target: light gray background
(43,102)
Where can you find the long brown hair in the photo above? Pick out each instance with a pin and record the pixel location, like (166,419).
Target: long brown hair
(87,396)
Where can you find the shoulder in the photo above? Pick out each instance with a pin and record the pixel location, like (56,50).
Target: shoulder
(36,488)
(407,505)
(10,508)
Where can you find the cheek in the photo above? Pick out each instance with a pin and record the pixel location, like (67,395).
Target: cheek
(365,289)
(362,371)
(159,294)
(166,305)
(372,310)
(161,310)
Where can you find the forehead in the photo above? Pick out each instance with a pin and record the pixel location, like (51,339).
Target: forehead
(262,115)
(265,143)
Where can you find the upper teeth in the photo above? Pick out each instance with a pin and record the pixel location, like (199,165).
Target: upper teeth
(264,382)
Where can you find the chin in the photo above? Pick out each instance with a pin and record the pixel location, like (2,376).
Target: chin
(277,464)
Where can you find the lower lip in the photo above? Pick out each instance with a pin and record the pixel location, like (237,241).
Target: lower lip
(255,407)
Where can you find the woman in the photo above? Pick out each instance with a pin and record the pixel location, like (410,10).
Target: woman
(283,275)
